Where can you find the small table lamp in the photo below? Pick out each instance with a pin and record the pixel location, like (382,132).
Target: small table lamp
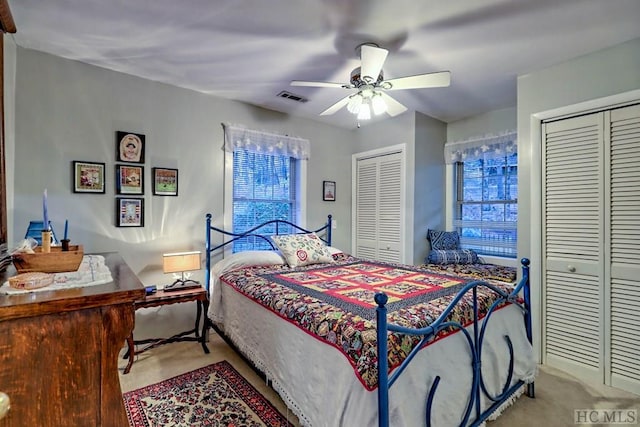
(180,262)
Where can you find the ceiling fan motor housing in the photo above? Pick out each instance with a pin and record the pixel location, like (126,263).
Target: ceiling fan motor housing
(356,79)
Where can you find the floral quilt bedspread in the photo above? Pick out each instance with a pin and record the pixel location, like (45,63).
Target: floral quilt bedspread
(334,303)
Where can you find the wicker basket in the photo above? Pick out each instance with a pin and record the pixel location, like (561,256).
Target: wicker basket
(30,280)
(55,261)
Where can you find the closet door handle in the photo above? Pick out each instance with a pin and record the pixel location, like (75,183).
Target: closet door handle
(571,269)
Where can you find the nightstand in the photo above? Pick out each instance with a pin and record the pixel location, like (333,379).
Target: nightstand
(159,298)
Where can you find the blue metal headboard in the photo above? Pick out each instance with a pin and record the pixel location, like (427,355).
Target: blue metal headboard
(255,232)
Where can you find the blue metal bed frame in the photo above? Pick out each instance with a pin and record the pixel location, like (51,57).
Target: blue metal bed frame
(385,381)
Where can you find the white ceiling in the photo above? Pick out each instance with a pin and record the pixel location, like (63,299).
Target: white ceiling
(250,50)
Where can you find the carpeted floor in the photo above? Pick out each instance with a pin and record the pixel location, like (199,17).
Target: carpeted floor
(214,395)
(171,360)
(557,394)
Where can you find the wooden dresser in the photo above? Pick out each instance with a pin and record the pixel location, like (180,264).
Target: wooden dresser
(59,351)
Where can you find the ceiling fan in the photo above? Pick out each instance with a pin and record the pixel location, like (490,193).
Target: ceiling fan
(371,87)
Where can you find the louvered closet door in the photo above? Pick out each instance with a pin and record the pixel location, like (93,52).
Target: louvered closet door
(572,245)
(389,208)
(625,249)
(379,207)
(367,209)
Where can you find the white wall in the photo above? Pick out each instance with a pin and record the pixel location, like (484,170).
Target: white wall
(601,74)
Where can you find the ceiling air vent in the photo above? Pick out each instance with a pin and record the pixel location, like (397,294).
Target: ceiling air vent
(292,96)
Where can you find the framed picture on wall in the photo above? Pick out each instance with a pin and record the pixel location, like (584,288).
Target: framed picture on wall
(88,177)
(165,182)
(129,212)
(129,147)
(129,179)
(329,191)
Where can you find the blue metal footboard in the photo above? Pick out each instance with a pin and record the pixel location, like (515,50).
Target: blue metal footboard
(474,339)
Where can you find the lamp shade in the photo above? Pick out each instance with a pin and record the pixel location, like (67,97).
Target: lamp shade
(181,261)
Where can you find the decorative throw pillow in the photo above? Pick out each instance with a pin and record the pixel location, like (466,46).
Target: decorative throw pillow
(452,256)
(302,249)
(443,240)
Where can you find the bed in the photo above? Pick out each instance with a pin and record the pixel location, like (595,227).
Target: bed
(458,349)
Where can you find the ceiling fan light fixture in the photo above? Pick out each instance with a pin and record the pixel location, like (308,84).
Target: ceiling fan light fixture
(365,112)
(367,91)
(355,101)
(377,104)
(370,86)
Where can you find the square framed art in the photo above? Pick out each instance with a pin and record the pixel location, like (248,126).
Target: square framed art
(88,177)
(129,179)
(129,147)
(165,182)
(130,212)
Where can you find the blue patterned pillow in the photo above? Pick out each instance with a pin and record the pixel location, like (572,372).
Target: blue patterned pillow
(443,240)
(457,256)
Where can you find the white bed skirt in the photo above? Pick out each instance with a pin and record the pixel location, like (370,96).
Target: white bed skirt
(319,385)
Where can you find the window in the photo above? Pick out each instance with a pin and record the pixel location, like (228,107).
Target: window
(487,205)
(264,173)
(264,188)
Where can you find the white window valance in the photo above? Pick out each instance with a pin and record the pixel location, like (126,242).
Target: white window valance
(262,142)
(485,147)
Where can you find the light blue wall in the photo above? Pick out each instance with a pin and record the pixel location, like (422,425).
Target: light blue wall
(66,110)
(9,127)
(430,178)
(600,74)
(394,131)
(424,139)
(488,123)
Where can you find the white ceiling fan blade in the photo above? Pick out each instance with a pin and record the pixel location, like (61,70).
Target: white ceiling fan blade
(393,107)
(318,84)
(335,107)
(372,58)
(441,79)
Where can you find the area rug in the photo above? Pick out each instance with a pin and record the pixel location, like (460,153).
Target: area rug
(216,395)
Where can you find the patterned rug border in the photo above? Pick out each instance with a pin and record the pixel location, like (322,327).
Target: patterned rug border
(250,396)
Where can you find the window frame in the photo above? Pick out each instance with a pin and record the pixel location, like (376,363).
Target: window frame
(499,251)
(301,198)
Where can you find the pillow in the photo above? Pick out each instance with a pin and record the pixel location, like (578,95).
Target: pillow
(443,240)
(246,259)
(452,256)
(333,250)
(302,249)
